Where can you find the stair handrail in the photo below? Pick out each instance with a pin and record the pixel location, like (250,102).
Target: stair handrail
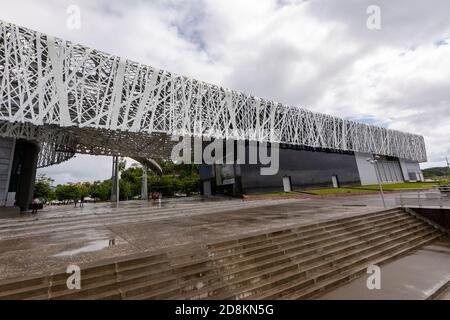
(428,221)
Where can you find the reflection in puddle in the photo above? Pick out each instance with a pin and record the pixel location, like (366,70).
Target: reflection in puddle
(90,247)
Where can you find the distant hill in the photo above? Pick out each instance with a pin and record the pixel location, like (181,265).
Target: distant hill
(435,172)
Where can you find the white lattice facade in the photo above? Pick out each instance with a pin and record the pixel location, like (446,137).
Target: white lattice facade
(72,98)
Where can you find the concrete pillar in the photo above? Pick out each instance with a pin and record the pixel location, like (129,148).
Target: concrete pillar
(24,168)
(366,170)
(7,146)
(144,191)
(115,180)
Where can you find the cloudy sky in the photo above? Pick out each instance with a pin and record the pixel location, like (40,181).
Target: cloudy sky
(317,54)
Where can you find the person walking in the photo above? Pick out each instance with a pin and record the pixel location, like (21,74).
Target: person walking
(154,196)
(159,198)
(35,205)
(82,201)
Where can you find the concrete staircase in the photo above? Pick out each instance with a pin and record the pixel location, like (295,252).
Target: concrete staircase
(296,263)
(440,292)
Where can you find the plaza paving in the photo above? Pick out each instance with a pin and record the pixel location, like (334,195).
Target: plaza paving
(413,277)
(59,236)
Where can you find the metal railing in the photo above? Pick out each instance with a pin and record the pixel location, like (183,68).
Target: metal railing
(435,197)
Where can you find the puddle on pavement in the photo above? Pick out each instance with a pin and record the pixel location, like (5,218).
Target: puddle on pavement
(89,247)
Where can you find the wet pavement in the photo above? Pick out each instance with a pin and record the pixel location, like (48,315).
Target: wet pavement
(412,277)
(59,236)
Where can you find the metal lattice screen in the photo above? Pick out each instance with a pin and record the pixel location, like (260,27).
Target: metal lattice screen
(101,99)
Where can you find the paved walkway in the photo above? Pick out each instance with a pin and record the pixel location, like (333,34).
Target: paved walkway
(413,277)
(59,236)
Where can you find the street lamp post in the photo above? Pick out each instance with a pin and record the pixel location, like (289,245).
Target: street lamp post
(144,192)
(448,167)
(115,181)
(377,173)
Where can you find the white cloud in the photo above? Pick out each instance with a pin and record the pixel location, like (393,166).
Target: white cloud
(316,54)
(81,168)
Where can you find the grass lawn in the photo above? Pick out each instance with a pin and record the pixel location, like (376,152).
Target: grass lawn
(386,187)
(397,186)
(335,190)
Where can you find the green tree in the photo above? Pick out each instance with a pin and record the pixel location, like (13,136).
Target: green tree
(177,178)
(133,178)
(122,164)
(124,190)
(190,184)
(42,188)
(68,191)
(436,172)
(101,190)
(83,189)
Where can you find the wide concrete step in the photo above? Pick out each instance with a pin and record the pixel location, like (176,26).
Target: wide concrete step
(255,270)
(305,241)
(440,292)
(317,272)
(104,280)
(356,268)
(91,277)
(281,270)
(34,227)
(275,263)
(264,241)
(112,212)
(247,242)
(200,269)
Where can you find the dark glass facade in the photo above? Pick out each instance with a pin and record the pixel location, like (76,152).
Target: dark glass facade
(306,169)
